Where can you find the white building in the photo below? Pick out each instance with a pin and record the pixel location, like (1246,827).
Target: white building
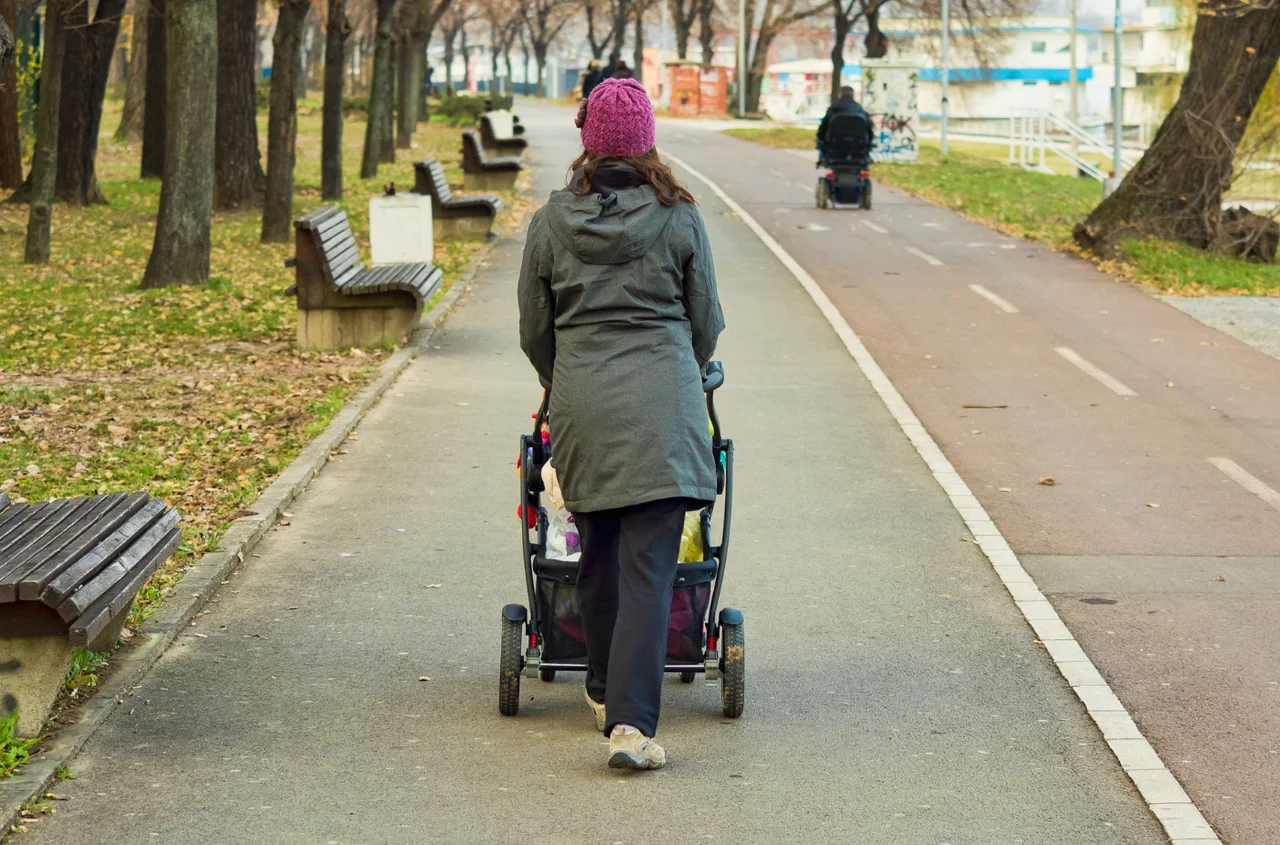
(1155,54)
(1028,62)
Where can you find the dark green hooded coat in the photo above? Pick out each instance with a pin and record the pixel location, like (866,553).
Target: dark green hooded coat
(618,314)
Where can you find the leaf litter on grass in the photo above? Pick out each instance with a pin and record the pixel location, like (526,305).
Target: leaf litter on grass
(196,395)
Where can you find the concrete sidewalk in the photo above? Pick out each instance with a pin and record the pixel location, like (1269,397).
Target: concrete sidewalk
(894,694)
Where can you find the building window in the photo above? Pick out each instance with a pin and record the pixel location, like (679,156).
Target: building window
(1055,81)
(1037,46)
(1030,82)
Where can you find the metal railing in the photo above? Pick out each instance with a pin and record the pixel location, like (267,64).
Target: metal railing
(1034,134)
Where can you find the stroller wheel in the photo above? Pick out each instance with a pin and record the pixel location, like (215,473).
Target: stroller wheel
(510,664)
(820,193)
(866,196)
(687,677)
(547,675)
(733,682)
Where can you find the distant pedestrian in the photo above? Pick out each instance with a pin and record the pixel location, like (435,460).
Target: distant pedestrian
(621,71)
(593,78)
(619,315)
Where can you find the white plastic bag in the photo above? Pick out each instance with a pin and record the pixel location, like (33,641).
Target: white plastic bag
(563,542)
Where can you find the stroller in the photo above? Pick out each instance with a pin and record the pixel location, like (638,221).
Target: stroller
(845,153)
(547,637)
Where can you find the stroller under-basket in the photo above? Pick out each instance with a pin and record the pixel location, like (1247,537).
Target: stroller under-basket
(547,637)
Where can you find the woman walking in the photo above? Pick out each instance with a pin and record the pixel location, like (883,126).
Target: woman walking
(619,314)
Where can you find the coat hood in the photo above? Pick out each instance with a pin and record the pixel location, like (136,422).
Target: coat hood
(616,228)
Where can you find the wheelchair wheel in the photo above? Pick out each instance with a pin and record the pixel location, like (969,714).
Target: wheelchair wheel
(688,677)
(866,196)
(509,665)
(733,684)
(820,193)
(547,675)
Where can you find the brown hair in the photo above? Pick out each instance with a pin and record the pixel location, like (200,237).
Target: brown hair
(654,170)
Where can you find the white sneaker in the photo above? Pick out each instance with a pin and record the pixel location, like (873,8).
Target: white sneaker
(630,749)
(597,708)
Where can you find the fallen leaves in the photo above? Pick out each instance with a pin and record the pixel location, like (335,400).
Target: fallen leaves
(979,405)
(1048,481)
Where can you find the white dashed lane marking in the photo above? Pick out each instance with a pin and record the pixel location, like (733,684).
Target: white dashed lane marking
(1239,475)
(926,256)
(875,227)
(994,298)
(1106,379)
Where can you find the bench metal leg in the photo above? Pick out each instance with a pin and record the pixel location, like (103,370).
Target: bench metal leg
(331,329)
(475,228)
(493,180)
(31,673)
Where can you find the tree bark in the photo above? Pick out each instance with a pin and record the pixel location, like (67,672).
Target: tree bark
(336,33)
(180,254)
(406,120)
(876,44)
(238,177)
(282,121)
(637,67)
(682,15)
(10,143)
(44,170)
(379,90)
(540,57)
(1175,191)
(86,62)
(842,23)
(153,112)
(387,154)
(130,128)
(466,62)
(706,32)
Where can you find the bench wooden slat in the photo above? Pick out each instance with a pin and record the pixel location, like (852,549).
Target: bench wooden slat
(24,521)
(30,587)
(135,553)
(10,519)
(116,600)
(41,532)
(474,159)
(338,240)
(13,568)
(316,218)
(341,260)
(333,223)
(84,568)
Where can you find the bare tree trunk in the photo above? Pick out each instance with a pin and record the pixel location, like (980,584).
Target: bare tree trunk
(130,128)
(876,44)
(387,154)
(379,90)
(450,35)
(180,254)
(282,122)
(153,112)
(637,68)
(1175,191)
(10,143)
(86,63)
(406,121)
(682,14)
(336,34)
(706,32)
(540,56)
(843,23)
(238,177)
(44,170)
(7,44)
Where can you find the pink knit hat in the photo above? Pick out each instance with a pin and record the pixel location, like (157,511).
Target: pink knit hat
(619,119)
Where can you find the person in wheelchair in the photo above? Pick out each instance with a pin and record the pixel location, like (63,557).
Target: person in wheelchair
(846,131)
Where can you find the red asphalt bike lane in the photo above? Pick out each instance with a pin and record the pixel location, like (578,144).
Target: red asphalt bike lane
(1149,542)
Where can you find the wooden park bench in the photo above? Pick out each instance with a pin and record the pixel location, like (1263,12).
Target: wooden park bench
(481,173)
(69,572)
(499,146)
(454,218)
(343,304)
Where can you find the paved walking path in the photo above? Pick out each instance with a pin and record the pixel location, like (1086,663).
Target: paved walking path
(894,693)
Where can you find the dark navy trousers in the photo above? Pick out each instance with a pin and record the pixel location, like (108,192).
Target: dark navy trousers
(628,568)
